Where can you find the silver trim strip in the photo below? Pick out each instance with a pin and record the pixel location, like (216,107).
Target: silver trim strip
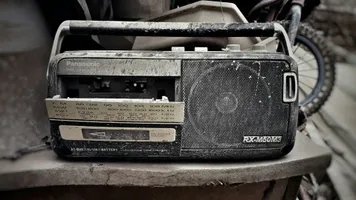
(119,67)
(115,110)
(69,132)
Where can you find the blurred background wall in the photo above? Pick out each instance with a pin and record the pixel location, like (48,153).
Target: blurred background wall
(24,50)
(337,19)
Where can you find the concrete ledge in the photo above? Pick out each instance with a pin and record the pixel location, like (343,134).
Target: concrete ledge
(46,169)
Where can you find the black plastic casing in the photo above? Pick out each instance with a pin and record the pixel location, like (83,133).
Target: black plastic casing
(176,149)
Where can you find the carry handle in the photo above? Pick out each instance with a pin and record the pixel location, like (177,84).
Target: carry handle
(169,29)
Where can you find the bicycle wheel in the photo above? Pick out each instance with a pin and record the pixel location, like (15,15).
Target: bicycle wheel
(316,66)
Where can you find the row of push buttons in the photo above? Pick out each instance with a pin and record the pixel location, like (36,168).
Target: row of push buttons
(229,47)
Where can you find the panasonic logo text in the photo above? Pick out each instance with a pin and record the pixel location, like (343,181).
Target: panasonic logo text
(82,64)
(262,139)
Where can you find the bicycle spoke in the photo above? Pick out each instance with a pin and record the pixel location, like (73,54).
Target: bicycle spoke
(303,55)
(308,76)
(304,92)
(295,50)
(306,85)
(312,69)
(305,61)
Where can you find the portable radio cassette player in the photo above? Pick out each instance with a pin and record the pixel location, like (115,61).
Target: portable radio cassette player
(172,104)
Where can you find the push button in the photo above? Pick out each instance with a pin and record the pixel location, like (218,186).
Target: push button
(201,49)
(259,47)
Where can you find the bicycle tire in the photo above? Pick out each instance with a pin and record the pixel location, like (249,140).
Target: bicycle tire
(325,58)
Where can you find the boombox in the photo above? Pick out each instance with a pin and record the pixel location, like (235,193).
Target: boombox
(177,104)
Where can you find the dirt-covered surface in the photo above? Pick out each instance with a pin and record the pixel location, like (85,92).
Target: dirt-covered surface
(22,93)
(335,126)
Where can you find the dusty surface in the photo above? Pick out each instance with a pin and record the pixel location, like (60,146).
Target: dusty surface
(254,191)
(39,169)
(22,92)
(335,127)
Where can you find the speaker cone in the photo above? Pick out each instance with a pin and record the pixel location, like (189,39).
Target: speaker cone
(226,100)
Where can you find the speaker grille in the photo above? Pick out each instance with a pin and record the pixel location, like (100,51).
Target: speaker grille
(226,99)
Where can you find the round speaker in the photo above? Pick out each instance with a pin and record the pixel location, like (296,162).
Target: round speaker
(229,100)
